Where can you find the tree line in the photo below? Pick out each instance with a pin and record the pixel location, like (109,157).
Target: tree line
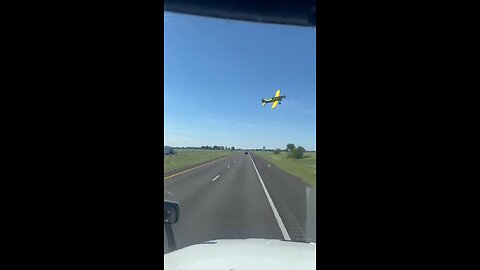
(292,151)
(169,150)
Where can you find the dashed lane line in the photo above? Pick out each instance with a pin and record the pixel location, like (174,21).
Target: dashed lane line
(165,178)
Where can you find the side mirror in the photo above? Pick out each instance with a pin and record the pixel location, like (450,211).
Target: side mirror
(171,212)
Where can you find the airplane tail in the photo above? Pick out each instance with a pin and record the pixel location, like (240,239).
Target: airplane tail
(263,102)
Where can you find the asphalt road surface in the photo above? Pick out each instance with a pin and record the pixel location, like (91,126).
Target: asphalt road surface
(238,197)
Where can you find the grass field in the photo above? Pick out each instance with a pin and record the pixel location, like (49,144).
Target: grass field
(186,157)
(305,168)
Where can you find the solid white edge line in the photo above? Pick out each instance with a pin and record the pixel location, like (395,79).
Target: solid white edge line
(275,212)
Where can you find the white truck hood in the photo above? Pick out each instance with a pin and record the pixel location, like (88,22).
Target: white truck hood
(243,254)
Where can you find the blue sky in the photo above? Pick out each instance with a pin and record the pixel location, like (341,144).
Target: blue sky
(216,73)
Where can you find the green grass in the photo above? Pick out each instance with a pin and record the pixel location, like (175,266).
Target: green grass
(187,157)
(304,168)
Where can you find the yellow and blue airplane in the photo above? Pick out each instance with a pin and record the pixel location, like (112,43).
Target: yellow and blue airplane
(276,100)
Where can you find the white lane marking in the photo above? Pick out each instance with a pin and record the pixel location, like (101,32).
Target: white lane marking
(228,166)
(275,212)
(234,161)
(215,178)
(268,165)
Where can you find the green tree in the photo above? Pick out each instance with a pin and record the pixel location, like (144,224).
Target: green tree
(297,152)
(277,151)
(300,151)
(290,147)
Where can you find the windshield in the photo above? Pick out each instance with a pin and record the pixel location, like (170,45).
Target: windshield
(240,132)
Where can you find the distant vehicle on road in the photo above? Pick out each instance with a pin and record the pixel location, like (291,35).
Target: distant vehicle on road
(244,252)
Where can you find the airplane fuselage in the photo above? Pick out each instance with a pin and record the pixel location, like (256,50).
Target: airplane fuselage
(273,99)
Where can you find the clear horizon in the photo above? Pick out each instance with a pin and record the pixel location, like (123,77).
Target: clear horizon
(216,73)
(239,148)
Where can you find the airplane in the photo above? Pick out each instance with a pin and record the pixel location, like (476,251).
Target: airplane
(276,100)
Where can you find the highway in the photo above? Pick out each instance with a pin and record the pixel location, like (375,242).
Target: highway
(238,197)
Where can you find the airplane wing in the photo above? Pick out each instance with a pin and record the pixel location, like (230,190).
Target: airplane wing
(274,104)
(278,93)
